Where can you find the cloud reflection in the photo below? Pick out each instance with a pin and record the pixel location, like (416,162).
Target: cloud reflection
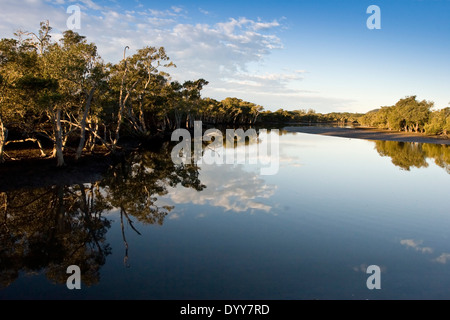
(443,258)
(228,187)
(363,268)
(416,245)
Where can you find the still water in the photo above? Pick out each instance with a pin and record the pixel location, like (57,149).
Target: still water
(154,230)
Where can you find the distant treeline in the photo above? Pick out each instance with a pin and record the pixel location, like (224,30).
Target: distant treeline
(410,115)
(308,116)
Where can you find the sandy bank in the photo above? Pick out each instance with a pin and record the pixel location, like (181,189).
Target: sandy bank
(369,134)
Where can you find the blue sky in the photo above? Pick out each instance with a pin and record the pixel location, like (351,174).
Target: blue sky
(279,54)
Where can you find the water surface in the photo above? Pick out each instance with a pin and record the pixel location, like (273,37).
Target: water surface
(154,230)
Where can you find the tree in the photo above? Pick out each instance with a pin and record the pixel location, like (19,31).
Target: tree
(57,86)
(409,115)
(132,81)
(18,65)
(439,122)
(191,94)
(84,74)
(45,85)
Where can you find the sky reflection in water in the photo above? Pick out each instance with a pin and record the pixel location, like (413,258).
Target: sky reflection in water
(335,207)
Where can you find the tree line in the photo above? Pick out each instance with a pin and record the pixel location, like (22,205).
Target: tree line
(410,115)
(309,116)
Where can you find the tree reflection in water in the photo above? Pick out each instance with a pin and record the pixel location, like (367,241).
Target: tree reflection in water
(407,155)
(47,229)
(50,229)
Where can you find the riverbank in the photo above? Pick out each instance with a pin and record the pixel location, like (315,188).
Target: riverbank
(369,134)
(32,171)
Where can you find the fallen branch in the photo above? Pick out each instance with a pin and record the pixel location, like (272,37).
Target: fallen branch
(29,140)
(91,131)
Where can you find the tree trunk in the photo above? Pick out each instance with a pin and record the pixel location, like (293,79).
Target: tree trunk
(41,149)
(142,118)
(37,141)
(119,123)
(188,121)
(83,124)
(93,137)
(58,151)
(122,104)
(178,116)
(3,138)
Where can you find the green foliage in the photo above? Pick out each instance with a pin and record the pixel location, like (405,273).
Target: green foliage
(308,116)
(439,122)
(408,114)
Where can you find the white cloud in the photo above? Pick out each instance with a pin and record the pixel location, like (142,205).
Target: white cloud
(205,12)
(416,245)
(91,4)
(177,9)
(174,216)
(363,268)
(443,258)
(220,53)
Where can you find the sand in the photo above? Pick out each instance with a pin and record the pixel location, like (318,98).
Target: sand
(369,134)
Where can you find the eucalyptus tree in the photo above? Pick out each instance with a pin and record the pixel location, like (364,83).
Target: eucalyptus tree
(19,85)
(409,115)
(8,74)
(175,104)
(145,65)
(62,85)
(191,94)
(439,122)
(83,73)
(41,86)
(135,80)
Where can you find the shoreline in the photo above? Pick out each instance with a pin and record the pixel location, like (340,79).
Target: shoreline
(368,134)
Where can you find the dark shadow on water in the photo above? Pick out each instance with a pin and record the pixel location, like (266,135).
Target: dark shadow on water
(46,229)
